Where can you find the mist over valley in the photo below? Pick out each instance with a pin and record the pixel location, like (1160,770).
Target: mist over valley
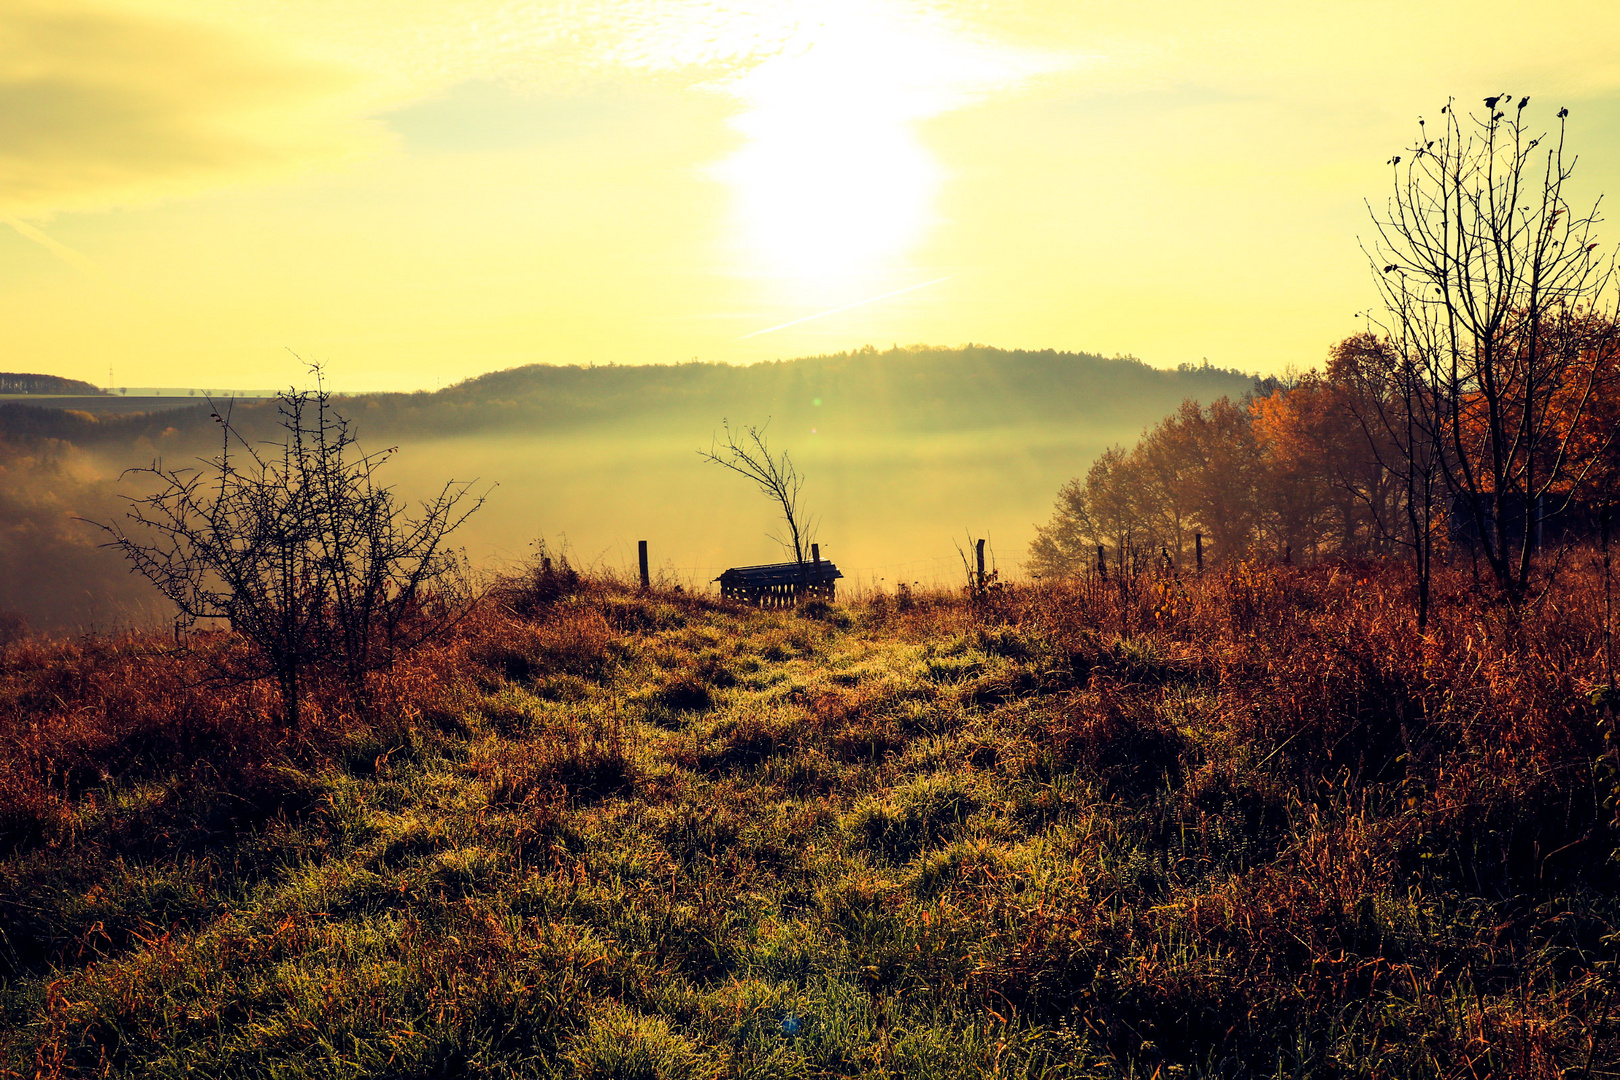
(905,452)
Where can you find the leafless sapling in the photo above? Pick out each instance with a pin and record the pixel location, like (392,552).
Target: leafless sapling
(746,453)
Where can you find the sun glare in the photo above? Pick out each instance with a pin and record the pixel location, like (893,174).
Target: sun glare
(823,190)
(833,185)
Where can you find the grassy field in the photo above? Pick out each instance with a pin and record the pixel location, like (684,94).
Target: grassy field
(1249,825)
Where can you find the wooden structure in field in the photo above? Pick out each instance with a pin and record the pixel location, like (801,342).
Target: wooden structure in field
(780,584)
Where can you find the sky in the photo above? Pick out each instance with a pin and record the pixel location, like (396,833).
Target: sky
(413,192)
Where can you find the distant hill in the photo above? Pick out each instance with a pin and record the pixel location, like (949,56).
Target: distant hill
(17,382)
(903,391)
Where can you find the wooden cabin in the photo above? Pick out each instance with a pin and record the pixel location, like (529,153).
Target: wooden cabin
(780,584)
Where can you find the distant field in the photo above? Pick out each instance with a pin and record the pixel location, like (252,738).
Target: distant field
(907,455)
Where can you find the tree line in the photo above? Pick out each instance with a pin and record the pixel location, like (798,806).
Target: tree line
(906,389)
(1299,469)
(1282,471)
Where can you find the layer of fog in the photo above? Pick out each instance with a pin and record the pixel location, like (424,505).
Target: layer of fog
(886,510)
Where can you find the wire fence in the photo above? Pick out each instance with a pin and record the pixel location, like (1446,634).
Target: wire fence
(621,560)
(935,572)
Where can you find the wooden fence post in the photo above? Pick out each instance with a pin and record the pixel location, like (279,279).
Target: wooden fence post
(981,565)
(1102,562)
(815,561)
(646,582)
(1198,550)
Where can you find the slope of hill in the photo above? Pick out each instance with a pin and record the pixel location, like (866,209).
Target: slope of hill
(918,390)
(1244,825)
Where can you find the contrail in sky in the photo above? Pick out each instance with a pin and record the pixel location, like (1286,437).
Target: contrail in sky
(846,307)
(60,250)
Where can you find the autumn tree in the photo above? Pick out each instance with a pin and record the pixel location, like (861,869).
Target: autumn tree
(1100,511)
(1195,471)
(1294,489)
(1169,463)
(1323,489)
(1223,487)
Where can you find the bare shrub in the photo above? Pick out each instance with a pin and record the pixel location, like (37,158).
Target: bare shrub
(297,547)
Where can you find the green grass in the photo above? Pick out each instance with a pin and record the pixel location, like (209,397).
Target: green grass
(624,836)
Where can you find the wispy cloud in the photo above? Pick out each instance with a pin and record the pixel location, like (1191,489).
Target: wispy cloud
(110,102)
(55,247)
(100,107)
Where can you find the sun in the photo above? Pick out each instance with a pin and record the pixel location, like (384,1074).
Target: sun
(824,191)
(832,184)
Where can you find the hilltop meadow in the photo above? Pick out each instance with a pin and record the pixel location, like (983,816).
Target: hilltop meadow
(1061,717)
(1242,824)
